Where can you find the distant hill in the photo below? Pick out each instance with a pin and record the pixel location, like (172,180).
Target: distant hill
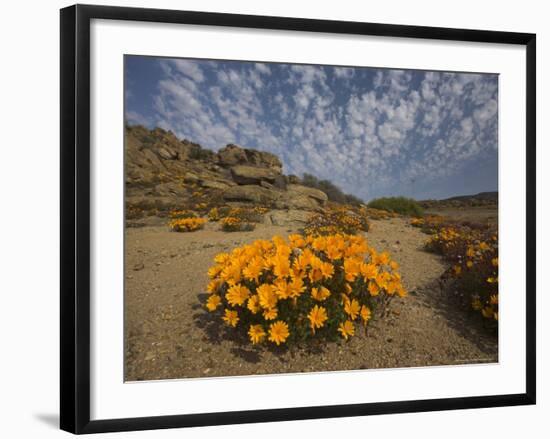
(481,199)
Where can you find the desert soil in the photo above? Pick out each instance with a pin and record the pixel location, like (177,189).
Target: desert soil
(169,334)
(481,214)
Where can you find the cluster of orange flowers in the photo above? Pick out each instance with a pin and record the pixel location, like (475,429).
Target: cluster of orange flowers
(253,214)
(235,224)
(187,224)
(428,223)
(333,220)
(446,240)
(184,213)
(478,271)
(290,290)
(473,254)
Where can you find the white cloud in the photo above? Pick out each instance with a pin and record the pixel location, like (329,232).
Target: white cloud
(263,68)
(189,68)
(486,112)
(344,72)
(366,135)
(134,117)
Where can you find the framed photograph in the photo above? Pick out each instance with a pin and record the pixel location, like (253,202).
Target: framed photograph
(268,219)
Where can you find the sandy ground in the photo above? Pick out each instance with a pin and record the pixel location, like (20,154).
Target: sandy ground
(168,334)
(481,214)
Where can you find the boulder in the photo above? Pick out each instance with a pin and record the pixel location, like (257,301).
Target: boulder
(139,176)
(264,159)
(297,201)
(216,184)
(167,153)
(190,177)
(169,189)
(148,202)
(245,174)
(316,194)
(252,194)
(153,160)
(301,198)
(288,218)
(280,182)
(231,155)
(266,185)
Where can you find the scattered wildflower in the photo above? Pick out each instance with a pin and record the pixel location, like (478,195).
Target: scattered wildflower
(213,302)
(278,332)
(256,333)
(253,304)
(347,329)
(365,314)
(352,308)
(237,295)
(231,317)
(373,288)
(317,317)
(270,314)
(187,224)
(320,294)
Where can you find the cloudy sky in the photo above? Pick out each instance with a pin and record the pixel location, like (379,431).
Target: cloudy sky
(373,132)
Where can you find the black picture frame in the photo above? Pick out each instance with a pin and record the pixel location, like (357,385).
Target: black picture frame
(75,217)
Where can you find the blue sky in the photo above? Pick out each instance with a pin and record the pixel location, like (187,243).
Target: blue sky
(373,132)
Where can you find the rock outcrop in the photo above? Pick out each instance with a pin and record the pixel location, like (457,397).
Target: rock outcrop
(164,172)
(251,194)
(232,155)
(246,174)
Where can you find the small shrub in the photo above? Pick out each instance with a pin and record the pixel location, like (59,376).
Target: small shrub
(400,205)
(182,214)
(473,255)
(245,214)
(347,220)
(198,153)
(378,214)
(217,213)
(235,224)
(214,214)
(288,291)
(187,224)
(429,223)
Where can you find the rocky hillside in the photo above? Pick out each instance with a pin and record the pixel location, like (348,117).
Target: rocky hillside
(165,173)
(481,199)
